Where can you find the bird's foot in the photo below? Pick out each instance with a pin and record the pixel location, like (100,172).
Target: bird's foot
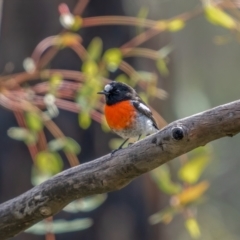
(113,151)
(116,150)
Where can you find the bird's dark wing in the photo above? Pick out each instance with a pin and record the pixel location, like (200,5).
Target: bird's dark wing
(142,108)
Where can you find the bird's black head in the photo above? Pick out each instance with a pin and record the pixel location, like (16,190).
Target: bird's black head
(116,92)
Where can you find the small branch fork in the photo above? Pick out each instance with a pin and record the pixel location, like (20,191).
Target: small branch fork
(112,172)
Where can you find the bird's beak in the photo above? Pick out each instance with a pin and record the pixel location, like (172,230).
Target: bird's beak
(103,92)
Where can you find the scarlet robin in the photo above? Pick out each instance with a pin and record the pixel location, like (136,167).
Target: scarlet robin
(126,113)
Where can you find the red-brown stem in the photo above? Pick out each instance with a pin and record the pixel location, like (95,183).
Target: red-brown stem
(117,20)
(143,37)
(141,52)
(80,51)
(57,133)
(42,142)
(49,235)
(130,71)
(80,7)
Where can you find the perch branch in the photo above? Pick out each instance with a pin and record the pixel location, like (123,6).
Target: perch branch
(109,173)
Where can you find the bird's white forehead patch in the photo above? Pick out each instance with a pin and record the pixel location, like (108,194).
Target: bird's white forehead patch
(108,88)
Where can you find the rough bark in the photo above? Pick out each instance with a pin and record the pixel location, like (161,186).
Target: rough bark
(112,172)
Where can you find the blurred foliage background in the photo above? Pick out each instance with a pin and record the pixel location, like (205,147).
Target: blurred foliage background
(184,60)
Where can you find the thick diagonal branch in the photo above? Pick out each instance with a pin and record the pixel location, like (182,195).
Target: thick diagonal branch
(110,173)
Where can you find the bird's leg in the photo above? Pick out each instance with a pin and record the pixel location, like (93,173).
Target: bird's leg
(136,141)
(120,147)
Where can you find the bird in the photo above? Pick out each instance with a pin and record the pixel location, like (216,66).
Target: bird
(126,113)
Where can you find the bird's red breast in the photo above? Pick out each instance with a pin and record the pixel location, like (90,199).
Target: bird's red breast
(120,115)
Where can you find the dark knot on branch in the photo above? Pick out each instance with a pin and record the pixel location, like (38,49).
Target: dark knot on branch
(177,133)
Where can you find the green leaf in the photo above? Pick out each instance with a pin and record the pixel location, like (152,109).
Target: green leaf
(123,78)
(113,58)
(160,93)
(218,17)
(71,146)
(191,171)
(34,121)
(104,125)
(84,120)
(165,216)
(78,21)
(86,204)
(143,96)
(165,51)
(193,228)
(60,226)
(38,177)
(66,144)
(147,76)
(162,177)
(95,48)
(162,67)
(90,68)
(22,134)
(56,144)
(142,14)
(49,162)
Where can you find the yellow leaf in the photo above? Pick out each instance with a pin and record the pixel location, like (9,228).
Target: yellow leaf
(175,25)
(218,17)
(90,68)
(56,79)
(49,162)
(192,226)
(54,82)
(77,24)
(191,171)
(67,39)
(84,120)
(190,194)
(113,58)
